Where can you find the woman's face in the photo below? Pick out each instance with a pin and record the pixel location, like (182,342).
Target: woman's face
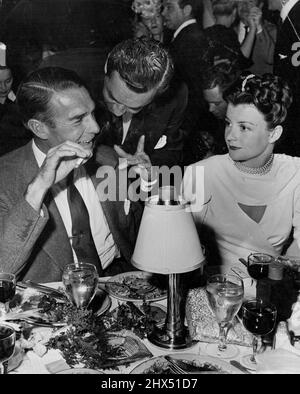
(247,135)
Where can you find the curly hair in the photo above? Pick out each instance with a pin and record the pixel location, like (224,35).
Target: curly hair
(269,93)
(142,63)
(222,75)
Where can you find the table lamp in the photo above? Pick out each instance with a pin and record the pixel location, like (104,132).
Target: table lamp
(168,243)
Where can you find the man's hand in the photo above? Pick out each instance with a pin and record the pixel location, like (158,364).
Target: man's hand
(140,160)
(59,162)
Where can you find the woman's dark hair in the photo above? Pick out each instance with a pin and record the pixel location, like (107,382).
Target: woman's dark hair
(222,75)
(36,90)
(269,93)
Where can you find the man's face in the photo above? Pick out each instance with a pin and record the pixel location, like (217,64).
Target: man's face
(274,5)
(217,105)
(173,14)
(6,81)
(119,99)
(73,115)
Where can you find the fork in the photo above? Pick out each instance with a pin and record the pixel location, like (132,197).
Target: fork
(174,367)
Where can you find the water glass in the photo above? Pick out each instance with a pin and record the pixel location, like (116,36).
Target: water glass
(225,295)
(80,282)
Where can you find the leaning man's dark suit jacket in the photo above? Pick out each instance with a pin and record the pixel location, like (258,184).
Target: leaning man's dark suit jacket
(160,122)
(37,246)
(284,57)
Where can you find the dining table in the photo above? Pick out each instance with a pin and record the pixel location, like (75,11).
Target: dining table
(53,361)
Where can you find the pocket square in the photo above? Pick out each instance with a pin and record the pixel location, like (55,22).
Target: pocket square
(161,142)
(281,56)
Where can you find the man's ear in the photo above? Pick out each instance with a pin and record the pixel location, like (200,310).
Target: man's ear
(275,134)
(38,128)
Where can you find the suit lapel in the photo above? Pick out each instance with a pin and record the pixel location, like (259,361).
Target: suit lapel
(54,239)
(57,244)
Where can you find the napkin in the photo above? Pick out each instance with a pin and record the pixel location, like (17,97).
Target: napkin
(284,359)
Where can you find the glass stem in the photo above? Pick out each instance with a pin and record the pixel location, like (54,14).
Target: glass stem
(2,370)
(254,348)
(222,336)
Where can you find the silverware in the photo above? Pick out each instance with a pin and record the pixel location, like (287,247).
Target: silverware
(239,366)
(244,262)
(42,289)
(175,368)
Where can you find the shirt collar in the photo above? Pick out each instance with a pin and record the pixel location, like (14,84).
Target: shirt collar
(182,26)
(286,8)
(38,154)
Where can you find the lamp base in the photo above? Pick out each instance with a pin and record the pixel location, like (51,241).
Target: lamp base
(181,340)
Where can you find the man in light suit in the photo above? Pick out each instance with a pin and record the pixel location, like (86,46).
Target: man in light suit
(287,66)
(35,220)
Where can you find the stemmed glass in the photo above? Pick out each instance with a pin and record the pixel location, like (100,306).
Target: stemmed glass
(259,318)
(258,265)
(80,282)
(7,291)
(7,346)
(225,295)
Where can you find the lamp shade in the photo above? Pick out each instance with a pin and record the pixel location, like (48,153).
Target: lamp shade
(167,241)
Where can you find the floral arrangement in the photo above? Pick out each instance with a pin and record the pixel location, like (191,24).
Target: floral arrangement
(147,8)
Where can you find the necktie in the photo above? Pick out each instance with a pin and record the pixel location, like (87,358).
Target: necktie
(82,239)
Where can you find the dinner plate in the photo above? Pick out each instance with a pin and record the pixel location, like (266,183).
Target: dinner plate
(79,371)
(159,365)
(142,286)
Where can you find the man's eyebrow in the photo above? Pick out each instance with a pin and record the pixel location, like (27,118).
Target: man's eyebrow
(81,115)
(118,102)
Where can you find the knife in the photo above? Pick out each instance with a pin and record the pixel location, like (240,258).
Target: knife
(239,366)
(43,289)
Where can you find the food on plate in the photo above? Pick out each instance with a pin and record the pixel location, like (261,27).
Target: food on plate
(161,366)
(137,286)
(140,320)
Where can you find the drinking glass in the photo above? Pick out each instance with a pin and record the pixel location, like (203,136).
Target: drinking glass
(258,265)
(7,291)
(7,346)
(225,295)
(80,282)
(259,318)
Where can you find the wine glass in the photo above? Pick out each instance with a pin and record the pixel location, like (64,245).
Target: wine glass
(259,318)
(258,265)
(225,295)
(80,282)
(7,346)
(7,291)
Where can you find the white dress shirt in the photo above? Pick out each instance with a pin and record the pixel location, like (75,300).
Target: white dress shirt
(286,8)
(103,239)
(182,26)
(126,119)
